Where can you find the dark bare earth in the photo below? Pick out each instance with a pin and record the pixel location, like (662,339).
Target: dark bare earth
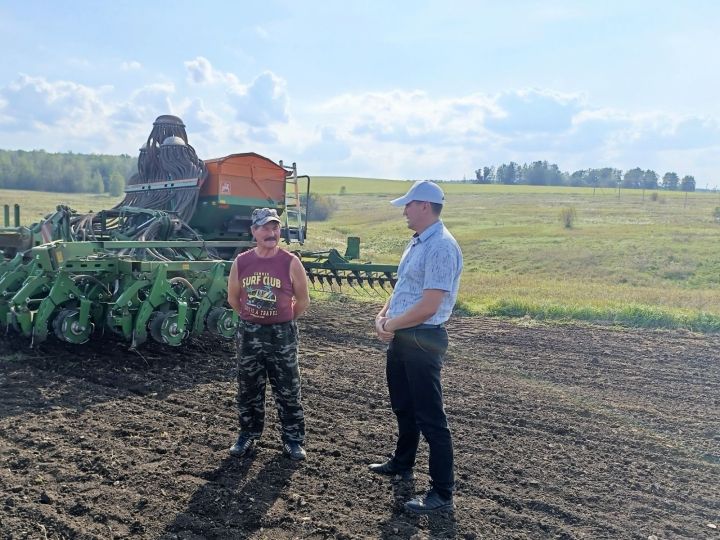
(560,432)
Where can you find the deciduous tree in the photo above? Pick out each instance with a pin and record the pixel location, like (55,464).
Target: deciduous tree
(633,178)
(687,183)
(670,181)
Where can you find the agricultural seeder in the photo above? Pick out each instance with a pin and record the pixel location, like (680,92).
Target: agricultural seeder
(156,264)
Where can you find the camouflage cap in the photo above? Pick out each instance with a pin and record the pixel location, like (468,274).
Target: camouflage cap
(261,216)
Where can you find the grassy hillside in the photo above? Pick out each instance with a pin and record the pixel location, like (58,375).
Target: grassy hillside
(632,258)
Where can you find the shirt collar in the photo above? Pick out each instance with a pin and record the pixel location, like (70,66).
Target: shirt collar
(427,233)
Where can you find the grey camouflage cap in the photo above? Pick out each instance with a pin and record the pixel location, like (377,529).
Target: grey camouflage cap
(261,216)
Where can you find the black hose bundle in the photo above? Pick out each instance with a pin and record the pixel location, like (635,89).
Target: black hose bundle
(137,224)
(147,213)
(166,157)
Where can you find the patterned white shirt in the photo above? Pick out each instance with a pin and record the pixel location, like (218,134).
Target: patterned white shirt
(432,260)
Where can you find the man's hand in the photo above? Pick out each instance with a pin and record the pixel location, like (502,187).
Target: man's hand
(382,333)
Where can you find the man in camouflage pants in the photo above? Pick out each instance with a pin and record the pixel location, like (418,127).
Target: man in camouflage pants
(268,289)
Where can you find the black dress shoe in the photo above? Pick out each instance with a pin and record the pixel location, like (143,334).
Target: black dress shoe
(388,469)
(430,503)
(294,451)
(242,446)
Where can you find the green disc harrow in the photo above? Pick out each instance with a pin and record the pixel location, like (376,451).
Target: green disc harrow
(75,289)
(166,290)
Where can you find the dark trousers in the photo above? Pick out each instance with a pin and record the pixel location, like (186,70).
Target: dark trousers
(269,352)
(414,361)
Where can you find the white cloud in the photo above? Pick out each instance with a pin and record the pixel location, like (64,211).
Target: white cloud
(145,103)
(393,134)
(534,111)
(261,103)
(665,132)
(68,116)
(197,115)
(399,134)
(31,103)
(200,70)
(411,134)
(409,117)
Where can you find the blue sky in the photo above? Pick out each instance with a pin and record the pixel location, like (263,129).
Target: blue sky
(404,89)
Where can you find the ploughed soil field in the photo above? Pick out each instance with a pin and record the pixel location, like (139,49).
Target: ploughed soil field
(560,432)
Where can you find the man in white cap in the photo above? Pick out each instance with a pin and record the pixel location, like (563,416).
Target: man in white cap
(412,323)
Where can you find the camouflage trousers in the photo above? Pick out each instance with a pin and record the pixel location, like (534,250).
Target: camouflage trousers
(269,352)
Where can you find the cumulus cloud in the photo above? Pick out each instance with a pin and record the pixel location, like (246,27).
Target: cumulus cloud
(33,102)
(259,108)
(412,134)
(665,132)
(261,103)
(409,117)
(202,119)
(68,116)
(534,111)
(64,115)
(145,103)
(201,71)
(393,134)
(403,134)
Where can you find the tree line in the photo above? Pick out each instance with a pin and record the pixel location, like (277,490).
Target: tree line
(542,173)
(38,170)
(94,173)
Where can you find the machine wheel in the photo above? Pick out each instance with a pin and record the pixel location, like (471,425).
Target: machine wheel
(163,328)
(219,321)
(67,327)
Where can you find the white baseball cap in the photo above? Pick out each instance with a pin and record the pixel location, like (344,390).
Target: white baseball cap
(422,190)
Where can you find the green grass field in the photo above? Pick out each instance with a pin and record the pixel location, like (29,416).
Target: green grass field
(34,205)
(630,258)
